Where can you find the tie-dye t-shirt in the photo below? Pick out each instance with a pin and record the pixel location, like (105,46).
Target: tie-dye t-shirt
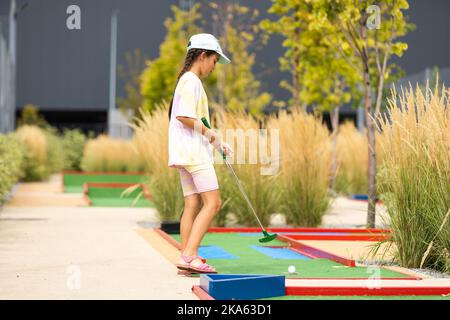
(186,146)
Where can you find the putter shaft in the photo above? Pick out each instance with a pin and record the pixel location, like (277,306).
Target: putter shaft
(206,123)
(243,192)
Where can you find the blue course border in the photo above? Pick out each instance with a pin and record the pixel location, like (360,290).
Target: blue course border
(242,286)
(215,252)
(280,253)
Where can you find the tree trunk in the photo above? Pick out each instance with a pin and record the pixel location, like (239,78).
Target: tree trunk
(380,92)
(296,62)
(295,89)
(372,194)
(334,116)
(372,156)
(372,165)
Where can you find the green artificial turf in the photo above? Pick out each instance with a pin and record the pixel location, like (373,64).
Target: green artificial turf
(111,202)
(73,183)
(111,197)
(251,261)
(106,192)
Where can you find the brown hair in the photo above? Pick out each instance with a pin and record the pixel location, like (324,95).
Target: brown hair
(191,57)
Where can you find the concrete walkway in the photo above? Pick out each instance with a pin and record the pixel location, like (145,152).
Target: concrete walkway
(344,213)
(55,252)
(347,213)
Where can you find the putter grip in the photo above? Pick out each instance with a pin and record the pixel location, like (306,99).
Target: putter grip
(206,123)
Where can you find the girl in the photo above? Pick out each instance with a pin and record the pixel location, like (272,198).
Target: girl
(190,148)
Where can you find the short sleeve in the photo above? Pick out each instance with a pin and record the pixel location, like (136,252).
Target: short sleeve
(188,99)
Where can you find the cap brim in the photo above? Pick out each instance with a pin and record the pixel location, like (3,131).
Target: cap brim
(223,59)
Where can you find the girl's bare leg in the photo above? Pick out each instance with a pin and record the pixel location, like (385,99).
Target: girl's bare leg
(211,205)
(192,205)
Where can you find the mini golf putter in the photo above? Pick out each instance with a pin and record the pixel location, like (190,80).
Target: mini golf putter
(267,237)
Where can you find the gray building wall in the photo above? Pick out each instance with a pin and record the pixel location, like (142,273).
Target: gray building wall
(7,70)
(429,43)
(4,7)
(62,69)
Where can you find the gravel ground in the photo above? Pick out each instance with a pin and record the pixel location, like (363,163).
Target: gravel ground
(431,273)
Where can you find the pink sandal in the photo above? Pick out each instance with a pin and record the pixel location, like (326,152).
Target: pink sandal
(187,260)
(202,268)
(186,263)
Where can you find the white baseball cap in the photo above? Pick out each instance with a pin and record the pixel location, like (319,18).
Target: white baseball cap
(209,42)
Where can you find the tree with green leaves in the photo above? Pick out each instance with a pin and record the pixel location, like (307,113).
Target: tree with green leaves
(334,46)
(159,78)
(365,34)
(320,77)
(292,23)
(232,87)
(237,88)
(30,116)
(327,84)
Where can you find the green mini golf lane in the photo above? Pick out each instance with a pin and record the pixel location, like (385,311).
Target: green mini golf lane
(250,261)
(111,197)
(73,183)
(110,202)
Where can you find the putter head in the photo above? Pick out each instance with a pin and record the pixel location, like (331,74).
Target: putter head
(268,237)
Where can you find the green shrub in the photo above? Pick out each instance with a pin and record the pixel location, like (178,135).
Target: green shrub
(115,155)
(259,188)
(415,177)
(55,150)
(11,157)
(43,152)
(30,116)
(304,167)
(34,142)
(73,142)
(351,151)
(152,144)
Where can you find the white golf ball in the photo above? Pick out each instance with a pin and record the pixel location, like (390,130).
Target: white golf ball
(291,269)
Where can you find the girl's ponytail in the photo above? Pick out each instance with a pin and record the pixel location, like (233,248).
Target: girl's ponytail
(191,56)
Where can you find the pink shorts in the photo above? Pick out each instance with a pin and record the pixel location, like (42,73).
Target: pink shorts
(198,179)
